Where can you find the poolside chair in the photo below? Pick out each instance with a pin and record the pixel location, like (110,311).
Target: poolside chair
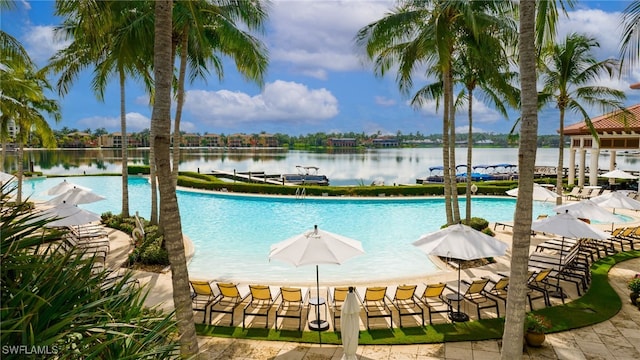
(475,293)
(337,296)
(229,300)
(202,296)
(433,299)
(292,305)
(375,304)
(259,305)
(405,302)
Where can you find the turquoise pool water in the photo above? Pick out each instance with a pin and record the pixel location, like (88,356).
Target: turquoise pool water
(232,234)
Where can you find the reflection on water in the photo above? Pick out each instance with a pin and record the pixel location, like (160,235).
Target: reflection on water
(341,166)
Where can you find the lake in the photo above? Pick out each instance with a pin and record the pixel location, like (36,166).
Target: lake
(342,167)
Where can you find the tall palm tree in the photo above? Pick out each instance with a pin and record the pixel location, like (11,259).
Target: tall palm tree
(630,42)
(568,71)
(203,31)
(169,211)
(426,33)
(112,44)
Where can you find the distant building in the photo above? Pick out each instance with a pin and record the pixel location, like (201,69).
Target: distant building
(342,142)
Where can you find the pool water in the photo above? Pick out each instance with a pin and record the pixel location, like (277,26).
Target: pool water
(232,234)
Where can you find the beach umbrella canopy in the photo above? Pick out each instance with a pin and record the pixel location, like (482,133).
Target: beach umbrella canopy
(69,215)
(63,187)
(461,242)
(313,248)
(567,225)
(616,200)
(540,193)
(618,174)
(76,196)
(587,209)
(350,324)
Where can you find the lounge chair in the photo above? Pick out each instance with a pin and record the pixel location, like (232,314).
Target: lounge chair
(259,305)
(434,301)
(202,296)
(405,302)
(375,303)
(337,297)
(293,304)
(476,294)
(231,297)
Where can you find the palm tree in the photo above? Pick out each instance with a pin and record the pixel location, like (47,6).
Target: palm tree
(114,45)
(169,211)
(630,42)
(426,33)
(568,69)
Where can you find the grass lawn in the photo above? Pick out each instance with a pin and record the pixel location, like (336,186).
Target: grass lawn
(600,303)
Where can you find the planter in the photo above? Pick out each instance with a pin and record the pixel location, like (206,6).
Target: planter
(534,339)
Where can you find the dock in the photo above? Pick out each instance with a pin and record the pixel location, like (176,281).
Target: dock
(251,177)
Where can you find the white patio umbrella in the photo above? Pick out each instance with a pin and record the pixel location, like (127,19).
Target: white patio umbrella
(618,174)
(313,248)
(463,243)
(587,209)
(350,323)
(540,193)
(616,200)
(76,196)
(63,187)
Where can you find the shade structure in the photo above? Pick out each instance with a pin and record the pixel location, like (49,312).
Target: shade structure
(313,248)
(616,200)
(63,187)
(587,209)
(463,243)
(539,193)
(350,325)
(618,174)
(567,225)
(76,196)
(69,215)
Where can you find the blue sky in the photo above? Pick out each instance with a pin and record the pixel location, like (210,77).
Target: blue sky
(315,81)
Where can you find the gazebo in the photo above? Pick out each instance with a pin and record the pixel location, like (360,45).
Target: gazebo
(614,136)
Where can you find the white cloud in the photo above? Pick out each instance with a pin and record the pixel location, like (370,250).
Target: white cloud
(135,122)
(41,42)
(384,101)
(320,34)
(280,101)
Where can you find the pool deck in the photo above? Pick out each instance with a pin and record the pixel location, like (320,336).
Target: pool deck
(616,338)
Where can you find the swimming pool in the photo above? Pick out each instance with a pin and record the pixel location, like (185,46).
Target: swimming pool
(232,234)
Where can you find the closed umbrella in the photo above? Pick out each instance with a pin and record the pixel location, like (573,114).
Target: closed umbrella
(463,243)
(540,193)
(313,248)
(350,323)
(76,196)
(63,187)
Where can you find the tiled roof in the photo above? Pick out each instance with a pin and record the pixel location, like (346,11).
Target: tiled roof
(611,122)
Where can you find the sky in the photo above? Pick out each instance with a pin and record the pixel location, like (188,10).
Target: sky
(317,79)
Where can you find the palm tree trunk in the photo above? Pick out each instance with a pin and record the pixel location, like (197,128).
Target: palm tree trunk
(169,211)
(125,143)
(455,209)
(560,169)
(469,155)
(179,104)
(445,153)
(516,299)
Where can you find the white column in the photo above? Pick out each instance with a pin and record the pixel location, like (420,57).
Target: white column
(612,165)
(572,166)
(583,155)
(593,165)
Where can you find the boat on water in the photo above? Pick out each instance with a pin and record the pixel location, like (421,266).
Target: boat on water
(307,175)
